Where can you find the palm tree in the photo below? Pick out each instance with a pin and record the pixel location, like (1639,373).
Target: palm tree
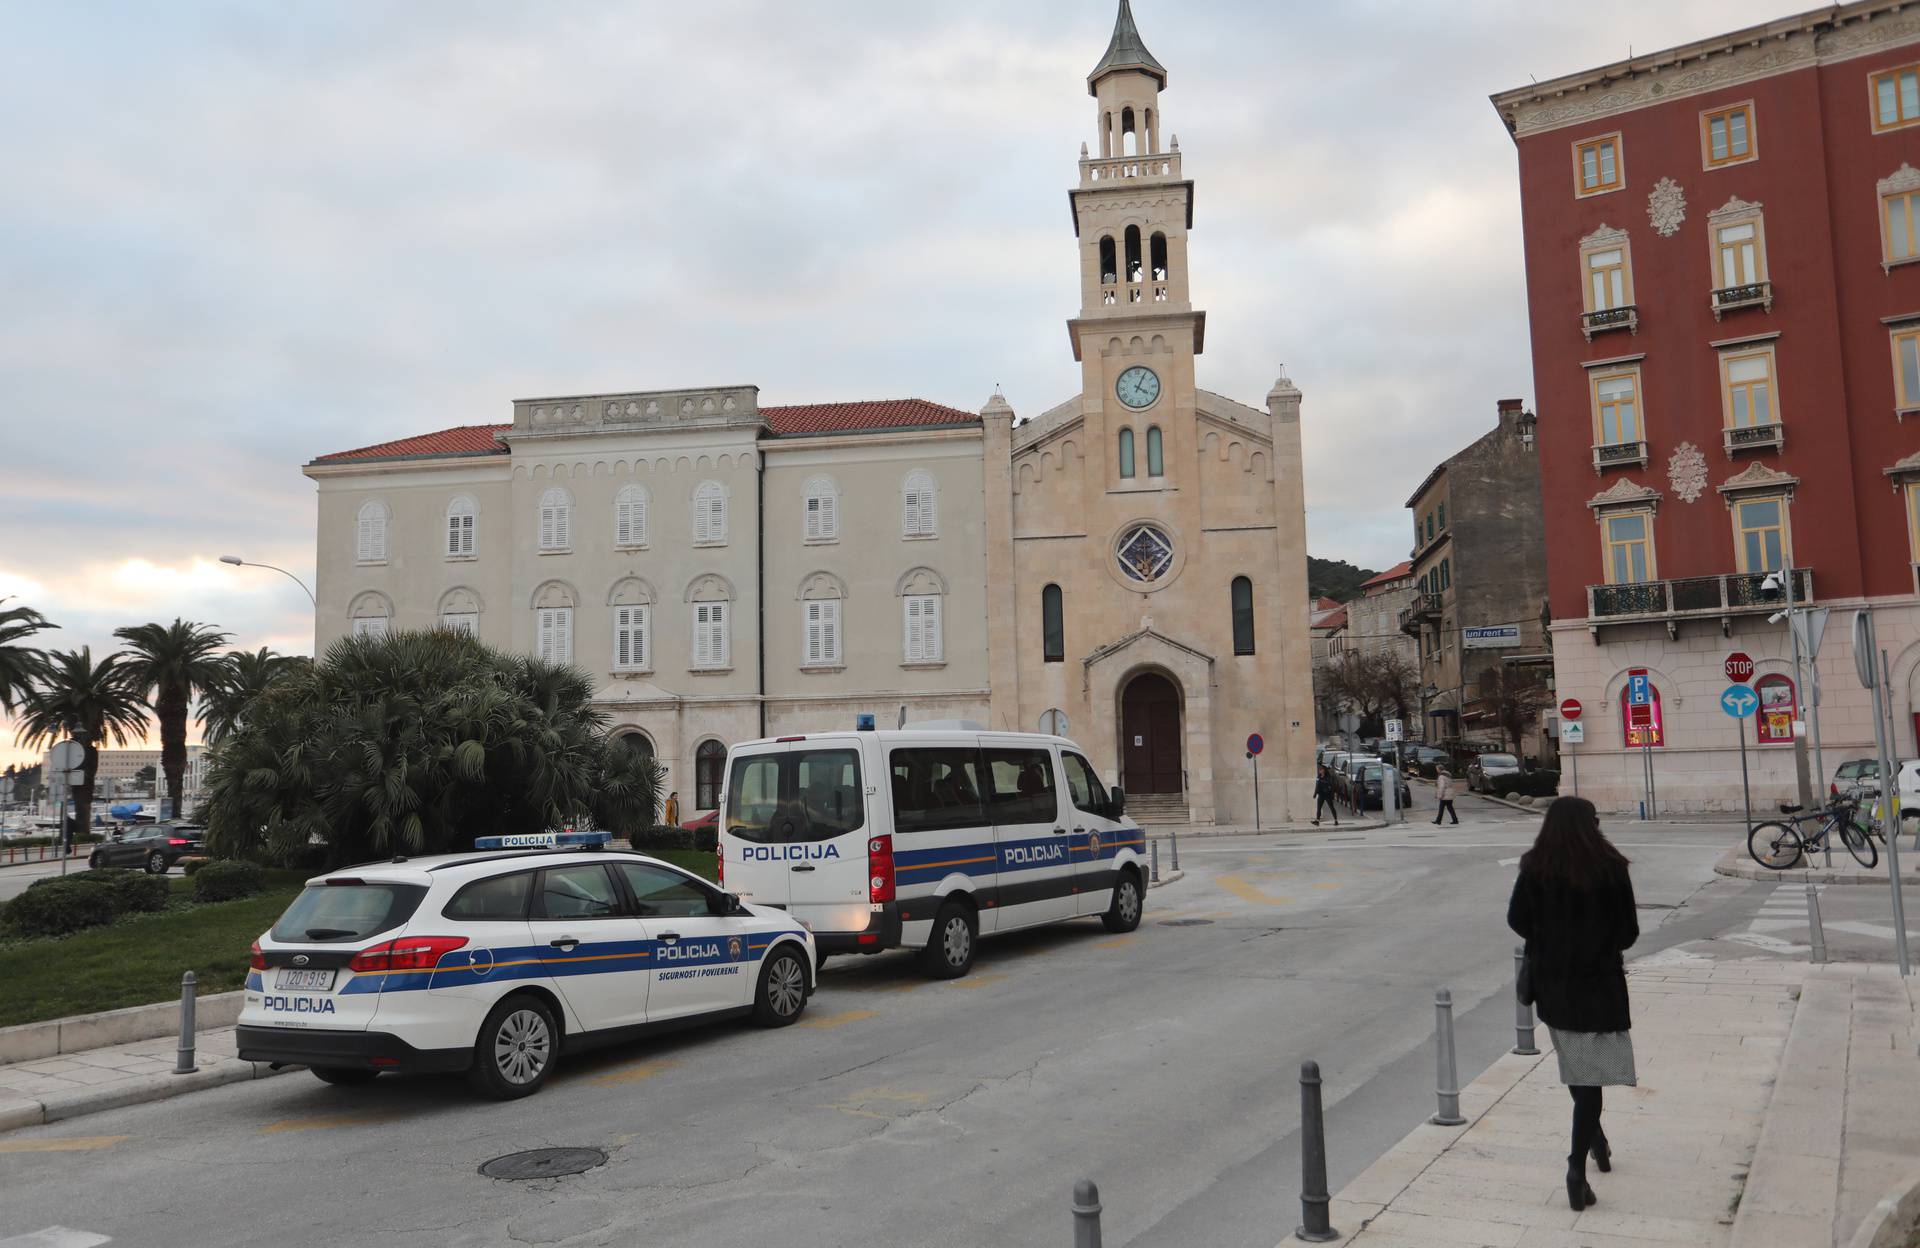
(92,703)
(247,674)
(170,663)
(18,664)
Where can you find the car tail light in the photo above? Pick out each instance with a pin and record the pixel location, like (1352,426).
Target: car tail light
(178,840)
(258,960)
(880,868)
(408,953)
(720,865)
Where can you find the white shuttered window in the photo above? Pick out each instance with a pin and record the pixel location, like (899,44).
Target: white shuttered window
(923,640)
(823,512)
(710,634)
(630,641)
(710,514)
(371,546)
(460,517)
(918,506)
(822,623)
(370,626)
(467,622)
(553,634)
(555,520)
(630,517)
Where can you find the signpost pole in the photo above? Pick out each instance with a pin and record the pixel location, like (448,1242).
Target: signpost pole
(1256,791)
(1746,792)
(1864,660)
(1890,812)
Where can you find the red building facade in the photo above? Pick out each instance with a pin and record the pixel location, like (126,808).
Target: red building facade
(1723,279)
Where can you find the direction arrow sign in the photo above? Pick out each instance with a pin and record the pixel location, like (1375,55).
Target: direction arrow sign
(1570,708)
(1739,701)
(1739,667)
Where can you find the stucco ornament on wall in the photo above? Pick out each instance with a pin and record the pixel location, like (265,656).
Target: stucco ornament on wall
(1666,207)
(1687,471)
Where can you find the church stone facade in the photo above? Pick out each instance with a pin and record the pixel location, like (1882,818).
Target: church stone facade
(1127,568)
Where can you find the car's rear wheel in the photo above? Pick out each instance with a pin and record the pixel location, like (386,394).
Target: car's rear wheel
(1124,914)
(949,951)
(516,1049)
(344,1076)
(156,863)
(783,989)
(96,860)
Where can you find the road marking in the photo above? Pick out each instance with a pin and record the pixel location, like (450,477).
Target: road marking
(1327,884)
(634,1072)
(1114,943)
(1249,892)
(1509,862)
(326,1122)
(68,1144)
(977,981)
(56,1237)
(825,1021)
(1760,941)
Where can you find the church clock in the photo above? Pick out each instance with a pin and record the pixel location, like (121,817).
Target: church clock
(1138,387)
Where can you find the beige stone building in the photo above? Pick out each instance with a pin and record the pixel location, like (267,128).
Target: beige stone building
(1128,568)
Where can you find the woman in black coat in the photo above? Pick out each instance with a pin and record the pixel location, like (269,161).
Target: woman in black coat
(1573,905)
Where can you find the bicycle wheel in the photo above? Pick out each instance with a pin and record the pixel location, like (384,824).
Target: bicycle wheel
(1860,845)
(1775,846)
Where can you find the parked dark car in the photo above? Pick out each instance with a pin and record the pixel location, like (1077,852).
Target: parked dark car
(155,847)
(1346,777)
(1484,770)
(1373,800)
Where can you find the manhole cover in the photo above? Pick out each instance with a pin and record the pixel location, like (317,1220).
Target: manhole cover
(1184,922)
(543,1163)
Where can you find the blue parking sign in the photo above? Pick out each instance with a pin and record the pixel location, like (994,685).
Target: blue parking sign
(1639,689)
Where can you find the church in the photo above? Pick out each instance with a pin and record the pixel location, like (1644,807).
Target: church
(1127,568)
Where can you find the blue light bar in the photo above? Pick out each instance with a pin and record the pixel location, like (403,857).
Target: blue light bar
(545,840)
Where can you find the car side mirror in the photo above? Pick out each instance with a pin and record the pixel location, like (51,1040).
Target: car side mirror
(735,905)
(1117,800)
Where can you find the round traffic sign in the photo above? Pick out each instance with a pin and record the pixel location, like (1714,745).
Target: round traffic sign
(1570,708)
(1255,743)
(1739,701)
(1739,667)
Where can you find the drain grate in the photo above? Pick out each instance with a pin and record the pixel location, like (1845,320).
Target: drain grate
(1185,922)
(544,1163)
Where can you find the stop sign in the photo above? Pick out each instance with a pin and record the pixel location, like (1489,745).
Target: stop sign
(1739,667)
(1570,709)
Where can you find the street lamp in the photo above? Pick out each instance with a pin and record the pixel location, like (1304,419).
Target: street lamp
(238,562)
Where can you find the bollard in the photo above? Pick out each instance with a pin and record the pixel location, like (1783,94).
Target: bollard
(1816,933)
(1447,1070)
(1522,1012)
(1174,833)
(1314,1226)
(1086,1215)
(183,1064)
(1153,852)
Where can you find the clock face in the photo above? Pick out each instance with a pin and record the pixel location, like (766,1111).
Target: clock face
(1138,387)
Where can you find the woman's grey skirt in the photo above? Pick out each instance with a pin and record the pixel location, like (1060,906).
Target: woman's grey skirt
(1594,1059)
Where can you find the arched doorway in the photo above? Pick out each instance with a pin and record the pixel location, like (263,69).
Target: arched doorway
(1150,735)
(709,762)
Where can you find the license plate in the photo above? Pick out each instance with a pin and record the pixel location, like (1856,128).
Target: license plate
(310,981)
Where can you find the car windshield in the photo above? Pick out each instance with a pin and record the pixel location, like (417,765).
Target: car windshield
(1498,760)
(341,912)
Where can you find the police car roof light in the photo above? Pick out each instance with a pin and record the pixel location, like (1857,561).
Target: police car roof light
(545,840)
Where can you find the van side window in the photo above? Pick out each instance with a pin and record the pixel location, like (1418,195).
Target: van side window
(935,789)
(1023,786)
(500,899)
(1088,793)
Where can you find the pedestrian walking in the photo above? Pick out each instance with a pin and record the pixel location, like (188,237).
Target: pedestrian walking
(1573,905)
(1323,798)
(672,815)
(1443,795)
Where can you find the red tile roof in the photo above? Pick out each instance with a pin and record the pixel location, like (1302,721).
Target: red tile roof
(1394,573)
(867,414)
(459,440)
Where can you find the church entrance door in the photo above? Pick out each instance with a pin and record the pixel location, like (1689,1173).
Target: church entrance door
(1150,734)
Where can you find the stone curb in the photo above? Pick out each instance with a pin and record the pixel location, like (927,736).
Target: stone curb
(1892,1219)
(29,1111)
(1170,877)
(1740,865)
(77,1033)
(1161,830)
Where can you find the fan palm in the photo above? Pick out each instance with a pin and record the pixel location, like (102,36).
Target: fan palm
(92,703)
(170,663)
(245,676)
(18,664)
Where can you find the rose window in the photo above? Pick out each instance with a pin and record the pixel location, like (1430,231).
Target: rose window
(1144,553)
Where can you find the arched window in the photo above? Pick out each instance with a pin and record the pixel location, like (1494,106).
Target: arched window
(709,762)
(710,599)
(370,614)
(632,603)
(1126,454)
(1128,143)
(1109,261)
(1242,597)
(371,543)
(919,505)
(710,514)
(1157,256)
(1133,258)
(460,611)
(637,743)
(1156,463)
(553,623)
(820,598)
(1773,722)
(922,641)
(460,518)
(556,519)
(1053,626)
(630,517)
(822,510)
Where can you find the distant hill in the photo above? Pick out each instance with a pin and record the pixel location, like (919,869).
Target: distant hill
(1335,578)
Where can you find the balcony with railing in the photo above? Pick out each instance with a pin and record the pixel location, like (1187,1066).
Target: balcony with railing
(1768,437)
(1619,455)
(1695,597)
(1626,317)
(1745,295)
(1100,170)
(1423,607)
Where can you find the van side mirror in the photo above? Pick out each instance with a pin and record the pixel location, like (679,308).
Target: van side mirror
(1117,801)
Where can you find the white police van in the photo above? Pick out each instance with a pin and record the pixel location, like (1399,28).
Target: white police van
(497,961)
(927,837)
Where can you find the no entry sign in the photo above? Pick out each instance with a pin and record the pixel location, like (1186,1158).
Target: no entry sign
(1570,708)
(1739,667)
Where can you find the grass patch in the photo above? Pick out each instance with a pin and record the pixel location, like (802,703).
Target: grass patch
(702,862)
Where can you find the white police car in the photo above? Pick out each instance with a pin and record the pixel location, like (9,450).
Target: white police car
(495,962)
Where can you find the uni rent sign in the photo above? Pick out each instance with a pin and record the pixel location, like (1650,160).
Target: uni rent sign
(1490,637)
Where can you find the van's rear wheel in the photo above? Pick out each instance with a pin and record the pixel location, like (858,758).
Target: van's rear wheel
(949,951)
(1124,914)
(515,1051)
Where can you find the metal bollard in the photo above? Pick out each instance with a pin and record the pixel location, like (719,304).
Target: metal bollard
(1153,852)
(1522,1012)
(1447,1070)
(1174,833)
(1816,933)
(183,1064)
(1086,1214)
(1314,1226)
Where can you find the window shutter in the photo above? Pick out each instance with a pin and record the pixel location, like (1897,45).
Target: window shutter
(641,642)
(639,509)
(453,535)
(829,523)
(910,645)
(719,644)
(928,521)
(931,642)
(814,524)
(623,523)
(829,632)
(547,541)
(560,526)
(719,505)
(813,641)
(622,638)
(543,634)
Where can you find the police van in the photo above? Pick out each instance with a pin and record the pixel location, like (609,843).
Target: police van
(927,838)
(496,962)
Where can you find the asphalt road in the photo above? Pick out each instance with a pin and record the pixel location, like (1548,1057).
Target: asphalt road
(1162,1064)
(19,877)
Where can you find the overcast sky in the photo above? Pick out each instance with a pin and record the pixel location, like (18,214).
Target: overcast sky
(237,236)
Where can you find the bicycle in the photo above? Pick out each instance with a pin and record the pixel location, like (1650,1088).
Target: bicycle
(1778,845)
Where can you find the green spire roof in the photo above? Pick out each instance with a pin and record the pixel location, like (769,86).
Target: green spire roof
(1126,50)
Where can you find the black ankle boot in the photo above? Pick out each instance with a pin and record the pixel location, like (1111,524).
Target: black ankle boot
(1579,1193)
(1602,1154)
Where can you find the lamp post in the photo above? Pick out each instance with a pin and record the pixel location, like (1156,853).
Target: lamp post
(238,562)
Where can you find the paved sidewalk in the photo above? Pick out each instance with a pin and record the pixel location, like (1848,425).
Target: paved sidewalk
(73,1084)
(1739,864)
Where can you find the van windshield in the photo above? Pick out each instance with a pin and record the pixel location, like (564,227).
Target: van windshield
(802,795)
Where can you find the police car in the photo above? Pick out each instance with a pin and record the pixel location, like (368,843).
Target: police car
(497,961)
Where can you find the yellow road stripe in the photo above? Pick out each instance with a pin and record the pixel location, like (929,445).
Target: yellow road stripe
(1248,892)
(324,1122)
(977,981)
(634,1072)
(67,1144)
(1115,943)
(841,1019)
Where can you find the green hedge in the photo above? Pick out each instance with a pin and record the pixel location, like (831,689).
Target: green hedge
(227,879)
(60,907)
(665,836)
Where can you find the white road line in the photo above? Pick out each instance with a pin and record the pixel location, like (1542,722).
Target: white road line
(1761,941)
(1509,862)
(57,1237)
